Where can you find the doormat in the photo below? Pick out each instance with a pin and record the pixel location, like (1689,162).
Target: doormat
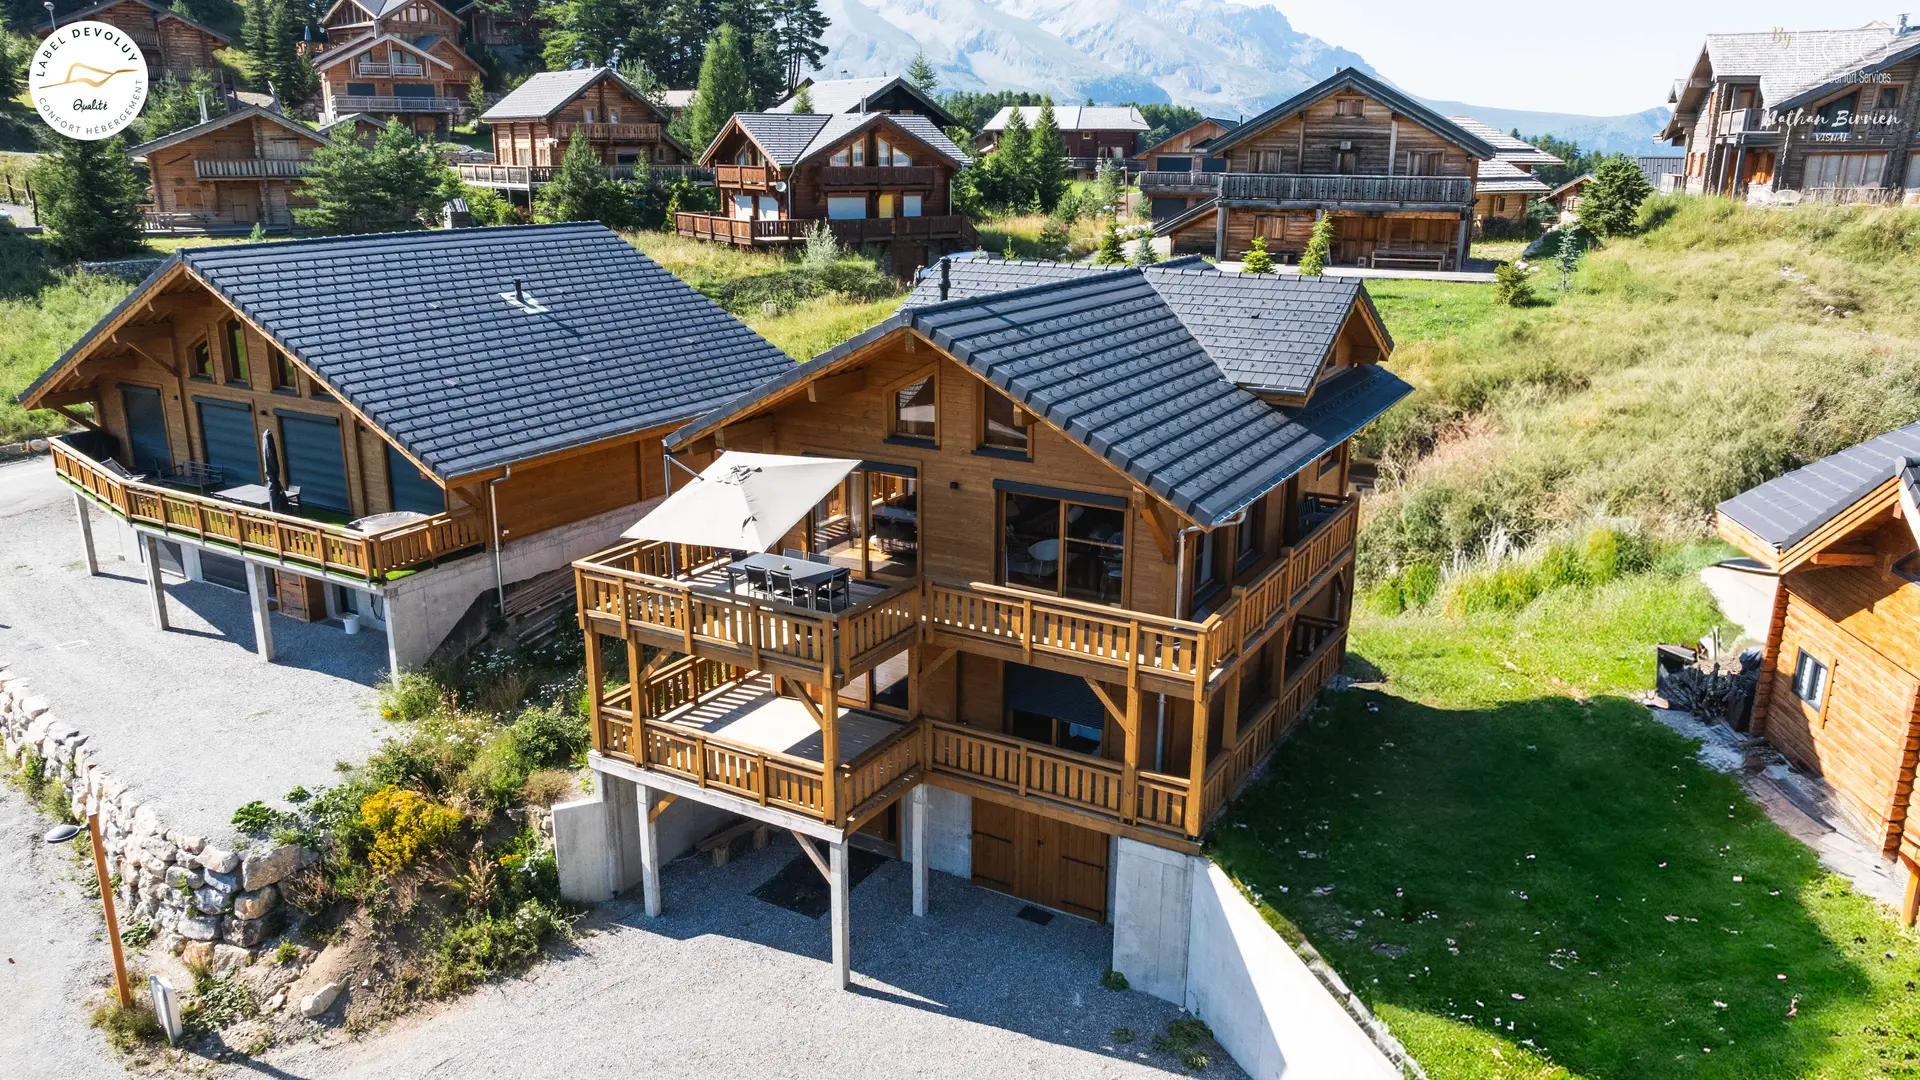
(1035,915)
(799,888)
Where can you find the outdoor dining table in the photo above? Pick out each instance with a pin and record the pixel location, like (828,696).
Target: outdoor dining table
(804,573)
(253,495)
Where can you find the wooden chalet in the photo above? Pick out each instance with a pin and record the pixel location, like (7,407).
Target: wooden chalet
(1839,685)
(440,405)
(172,43)
(879,180)
(1815,115)
(1100,547)
(1094,133)
(879,94)
(394,58)
(533,125)
(1506,183)
(232,172)
(1183,152)
(1397,178)
(1566,197)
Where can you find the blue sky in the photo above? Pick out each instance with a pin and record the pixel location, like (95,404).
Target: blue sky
(1614,57)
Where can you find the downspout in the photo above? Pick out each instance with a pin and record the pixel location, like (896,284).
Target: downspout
(493,512)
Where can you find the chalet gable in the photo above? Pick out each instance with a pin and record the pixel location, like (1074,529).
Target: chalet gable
(249,113)
(159,13)
(545,93)
(1190,138)
(865,95)
(790,139)
(1352,82)
(1801,518)
(332,57)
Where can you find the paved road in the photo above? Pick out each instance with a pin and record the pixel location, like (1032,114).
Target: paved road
(725,985)
(190,717)
(55,956)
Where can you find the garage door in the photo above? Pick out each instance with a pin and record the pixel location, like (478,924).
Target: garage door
(315,463)
(226,431)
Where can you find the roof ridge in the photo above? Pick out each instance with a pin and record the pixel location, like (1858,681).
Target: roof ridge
(191,254)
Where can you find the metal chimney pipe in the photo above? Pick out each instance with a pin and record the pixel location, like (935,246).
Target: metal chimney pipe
(946,276)
(519,294)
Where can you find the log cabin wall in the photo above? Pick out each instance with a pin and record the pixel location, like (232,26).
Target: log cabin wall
(1886,144)
(1309,142)
(171,46)
(237,202)
(543,142)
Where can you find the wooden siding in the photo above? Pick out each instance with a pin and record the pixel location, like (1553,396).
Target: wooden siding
(1356,235)
(171,45)
(255,145)
(1379,140)
(639,130)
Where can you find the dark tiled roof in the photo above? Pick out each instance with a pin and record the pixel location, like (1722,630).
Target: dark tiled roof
(1371,87)
(1498,177)
(853,95)
(1786,510)
(1786,63)
(544,93)
(412,330)
(1108,358)
(968,278)
(160,10)
(1510,147)
(1896,50)
(790,138)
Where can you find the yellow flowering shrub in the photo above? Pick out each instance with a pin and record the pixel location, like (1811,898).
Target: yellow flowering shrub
(406,825)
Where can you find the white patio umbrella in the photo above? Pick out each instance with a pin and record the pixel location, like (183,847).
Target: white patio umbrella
(743,502)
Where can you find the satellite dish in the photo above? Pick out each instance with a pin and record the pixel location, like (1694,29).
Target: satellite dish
(779,185)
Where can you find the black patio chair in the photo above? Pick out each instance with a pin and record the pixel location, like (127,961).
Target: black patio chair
(756,579)
(793,553)
(836,594)
(780,584)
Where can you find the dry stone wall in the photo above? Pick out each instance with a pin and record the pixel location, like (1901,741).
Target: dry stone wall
(208,903)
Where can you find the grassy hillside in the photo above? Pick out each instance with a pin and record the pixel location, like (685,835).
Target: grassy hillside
(1721,348)
(43,309)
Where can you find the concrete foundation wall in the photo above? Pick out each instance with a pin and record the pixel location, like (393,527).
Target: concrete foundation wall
(424,608)
(1263,1003)
(596,840)
(1152,902)
(949,832)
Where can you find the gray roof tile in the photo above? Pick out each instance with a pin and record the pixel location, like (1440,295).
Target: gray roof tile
(790,138)
(544,93)
(1498,177)
(1786,63)
(852,95)
(1371,87)
(1786,510)
(411,329)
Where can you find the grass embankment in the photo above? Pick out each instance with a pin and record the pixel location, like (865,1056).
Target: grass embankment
(1720,348)
(43,309)
(1527,877)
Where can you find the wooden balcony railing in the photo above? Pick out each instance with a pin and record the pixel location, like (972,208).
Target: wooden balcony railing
(1304,188)
(743,176)
(342,104)
(1257,737)
(284,537)
(1288,583)
(782,781)
(411,68)
(249,168)
(1179,183)
(520,176)
(1086,783)
(877,176)
(1036,623)
(633,132)
(852,231)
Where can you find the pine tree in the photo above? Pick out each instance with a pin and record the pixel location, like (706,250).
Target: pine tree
(173,105)
(723,89)
(1257,261)
(1144,255)
(803,100)
(922,74)
(582,191)
(1009,183)
(294,79)
(390,184)
(1566,257)
(798,26)
(1047,158)
(1313,261)
(89,197)
(1112,251)
(1611,200)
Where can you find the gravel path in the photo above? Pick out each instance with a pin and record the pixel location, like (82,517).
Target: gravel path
(53,940)
(725,985)
(190,717)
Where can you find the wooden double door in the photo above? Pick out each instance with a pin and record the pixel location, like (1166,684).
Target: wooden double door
(1040,859)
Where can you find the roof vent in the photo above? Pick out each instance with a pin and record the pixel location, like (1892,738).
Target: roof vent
(522,299)
(946,276)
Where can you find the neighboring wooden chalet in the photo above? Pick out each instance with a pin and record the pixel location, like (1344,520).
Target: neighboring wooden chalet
(1566,197)
(1817,115)
(456,412)
(1839,685)
(877,179)
(1506,184)
(1396,177)
(232,172)
(533,125)
(870,95)
(1181,168)
(390,58)
(172,43)
(1094,133)
(1101,551)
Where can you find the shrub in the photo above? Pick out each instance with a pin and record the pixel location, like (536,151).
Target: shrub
(1313,261)
(406,827)
(1112,251)
(129,1027)
(285,953)
(139,933)
(546,787)
(549,736)
(1113,980)
(496,773)
(410,696)
(1257,260)
(1610,203)
(469,951)
(218,1001)
(255,817)
(822,250)
(1511,287)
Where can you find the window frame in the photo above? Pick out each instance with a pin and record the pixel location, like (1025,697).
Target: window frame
(1064,501)
(1023,452)
(200,359)
(1811,674)
(929,375)
(236,341)
(281,372)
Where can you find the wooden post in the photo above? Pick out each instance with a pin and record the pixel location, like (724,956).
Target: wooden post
(262,618)
(917,802)
(636,741)
(86,534)
(1769,660)
(1910,903)
(156,588)
(1197,767)
(595,684)
(1130,756)
(837,887)
(1230,723)
(913,683)
(830,752)
(113,917)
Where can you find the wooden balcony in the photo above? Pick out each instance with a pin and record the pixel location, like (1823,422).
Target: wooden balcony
(1252,741)
(1080,782)
(610,132)
(1314,190)
(526,176)
(249,168)
(410,68)
(301,543)
(877,176)
(681,699)
(751,177)
(342,104)
(850,231)
(1180,183)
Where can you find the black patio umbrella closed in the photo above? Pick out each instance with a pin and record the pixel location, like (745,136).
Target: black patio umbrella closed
(270,465)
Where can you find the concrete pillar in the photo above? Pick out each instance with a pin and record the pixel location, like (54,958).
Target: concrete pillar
(156,589)
(649,851)
(842,922)
(262,618)
(917,825)
(393,651)
(86,534)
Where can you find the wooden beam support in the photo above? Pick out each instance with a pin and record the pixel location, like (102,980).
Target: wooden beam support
(1845,558)
(1162,536)
(77,418)
(1113,709)
(939,660)
(812,853)
(660,807)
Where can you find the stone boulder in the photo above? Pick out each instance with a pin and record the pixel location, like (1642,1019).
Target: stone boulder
(318,1002)
(217,859)
(199,929)
(256,904)
(266,868)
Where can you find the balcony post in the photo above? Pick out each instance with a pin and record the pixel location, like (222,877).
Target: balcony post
(595,685)
(1130,763)
(637,734)
(917,842)
(649,850)
(262,618)
(842,924)
(829,748)
(86,534)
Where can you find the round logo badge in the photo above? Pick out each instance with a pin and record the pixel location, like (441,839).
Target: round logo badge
(88,80)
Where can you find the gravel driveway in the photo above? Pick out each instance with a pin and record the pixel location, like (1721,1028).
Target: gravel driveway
(725,985)
(189,717)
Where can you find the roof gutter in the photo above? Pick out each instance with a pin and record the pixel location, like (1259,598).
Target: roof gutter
(493,517)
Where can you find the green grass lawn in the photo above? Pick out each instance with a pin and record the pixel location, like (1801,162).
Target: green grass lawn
(1527,877)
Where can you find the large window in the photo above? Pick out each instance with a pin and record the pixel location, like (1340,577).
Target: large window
(1837,115)
(1061,546)
(236,352)
(915,411)
(202,360)
(1247,534)
(1845,170)
(846,207)
(1810,680)
(1000,423)
(870,522)
(281,369)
